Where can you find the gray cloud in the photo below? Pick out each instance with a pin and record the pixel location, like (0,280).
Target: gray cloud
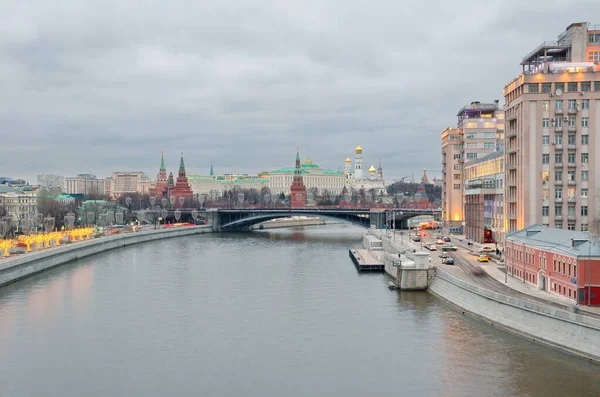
(105,85)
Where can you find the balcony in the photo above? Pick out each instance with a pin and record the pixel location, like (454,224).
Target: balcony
(572,147)
(559,128)
(558,217)
(572,165)
(572,110)
(510,150)
(510,133)
(571,199)
(511,200)
(558,111)
(557,146)
(572,217)
(572,128)
(572,183)
(558,183)
(558,165)
(558,199)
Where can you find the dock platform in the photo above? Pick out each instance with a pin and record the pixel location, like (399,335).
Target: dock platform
(364,261)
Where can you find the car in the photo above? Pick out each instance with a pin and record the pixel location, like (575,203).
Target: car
(449,247)
(448,261)
(416,239)
(447,239)
(483,258)
(444,255)
(431,247)
(439,241)
(487,249)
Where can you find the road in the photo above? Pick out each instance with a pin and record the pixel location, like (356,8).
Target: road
(471,272)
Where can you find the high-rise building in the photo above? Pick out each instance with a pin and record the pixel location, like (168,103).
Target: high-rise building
(50,181)
(124,182)
(452,164)
(552,141)
(84,184)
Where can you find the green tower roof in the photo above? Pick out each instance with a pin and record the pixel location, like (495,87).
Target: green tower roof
(181,164)
(212,172)
(162,161)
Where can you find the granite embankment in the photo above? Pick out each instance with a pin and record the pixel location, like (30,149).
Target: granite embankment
(20,266)
(570,331)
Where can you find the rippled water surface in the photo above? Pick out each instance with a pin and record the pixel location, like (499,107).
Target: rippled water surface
(264,314)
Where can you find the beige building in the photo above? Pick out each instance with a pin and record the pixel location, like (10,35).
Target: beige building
(484,198)
(552,139)
(313,176)
(128,182)
(85,184)
(18,203)
(213,186)
(480,131)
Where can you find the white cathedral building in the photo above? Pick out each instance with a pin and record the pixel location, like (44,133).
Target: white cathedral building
(357,179)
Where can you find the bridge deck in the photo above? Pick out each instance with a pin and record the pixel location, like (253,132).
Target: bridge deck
(364,261)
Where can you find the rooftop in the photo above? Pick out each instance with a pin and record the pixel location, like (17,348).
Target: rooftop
(561,241)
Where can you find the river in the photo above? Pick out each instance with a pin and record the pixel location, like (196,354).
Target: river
(270,313)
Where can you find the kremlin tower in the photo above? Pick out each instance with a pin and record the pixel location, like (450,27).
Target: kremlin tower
(182,187)
(358,165)
(298,190)
(161,179)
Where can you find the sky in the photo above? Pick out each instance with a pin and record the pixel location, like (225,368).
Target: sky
(103,86)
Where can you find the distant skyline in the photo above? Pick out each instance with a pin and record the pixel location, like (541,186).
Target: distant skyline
(104,86)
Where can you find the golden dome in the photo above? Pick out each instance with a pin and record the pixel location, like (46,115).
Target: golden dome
(348,160)
(308,161)
(358,149)
(372,170)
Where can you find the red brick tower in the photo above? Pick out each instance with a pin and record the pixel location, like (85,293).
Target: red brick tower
(298,196)
(160,186)
(182,187)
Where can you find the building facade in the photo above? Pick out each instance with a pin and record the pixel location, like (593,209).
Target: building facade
(50,181)
(280,181)
(561,262)
(85,184)
(552,138)
(484,198)
(18,203)
(452,165)
(356,177)
(124,182)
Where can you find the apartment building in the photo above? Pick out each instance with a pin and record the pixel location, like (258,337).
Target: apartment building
(484,198)
(85,184)
(552,139)
(480,131)
(124,182)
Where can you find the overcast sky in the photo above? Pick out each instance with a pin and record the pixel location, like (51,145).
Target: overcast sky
(102,86)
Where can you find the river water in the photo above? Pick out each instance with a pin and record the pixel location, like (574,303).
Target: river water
(277,313)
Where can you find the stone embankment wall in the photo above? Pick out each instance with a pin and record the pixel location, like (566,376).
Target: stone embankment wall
(569,331)
(277,224)
(12,269)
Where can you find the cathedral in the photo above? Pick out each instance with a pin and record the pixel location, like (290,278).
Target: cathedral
(357,179)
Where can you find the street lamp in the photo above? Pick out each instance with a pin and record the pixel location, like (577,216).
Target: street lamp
(201,198)
(164,201)
(164,214)
(172,200)
(181,201)
(267,199)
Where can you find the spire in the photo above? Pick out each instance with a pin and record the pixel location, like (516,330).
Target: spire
(170,181)
(424,179)
(297,155)
(181,165)
(298,170)
(162,161)
(212,172)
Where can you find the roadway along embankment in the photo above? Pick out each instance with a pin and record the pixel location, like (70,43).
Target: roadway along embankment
(21,266)
(569,331)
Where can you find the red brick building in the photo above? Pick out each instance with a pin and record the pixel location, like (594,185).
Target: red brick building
(561,262)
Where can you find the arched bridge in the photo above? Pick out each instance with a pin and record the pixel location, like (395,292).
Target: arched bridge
(242,219)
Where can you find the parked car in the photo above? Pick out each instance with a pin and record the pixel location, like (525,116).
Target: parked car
(447,239)
(444,255)
(448,261)
(439,241)
(449,247)
(416,239)
(483,258)
(431,247)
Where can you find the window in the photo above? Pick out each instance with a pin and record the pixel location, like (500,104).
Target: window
(559,86)
(545,158)
(571,175)
(457,176)
(584,158)
(558,211)
(471,135)
(572,139)
(489,145)
(584,210)
(584,227)
(571,211)
(457,186)
(584,176)
(457,167)
(584,139)
(570,226)
(457,156)
(545,104)
(545,211)
(558,105)
(594,38)
(558,139)
(471,155)
(545,140)
(558,123)
(558,176)
(584,121)
(571,121)
(558,158)
(458,147)
(594,56)
(597,83)
(571,158)
(532,88)
(558,225)
(572,104)
(489,135)
(584,193)
(558,193)
(546,88)
(585,103)
(586,86)
(545,123)
(572,86)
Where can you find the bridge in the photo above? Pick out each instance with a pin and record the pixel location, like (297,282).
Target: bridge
(240,219)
